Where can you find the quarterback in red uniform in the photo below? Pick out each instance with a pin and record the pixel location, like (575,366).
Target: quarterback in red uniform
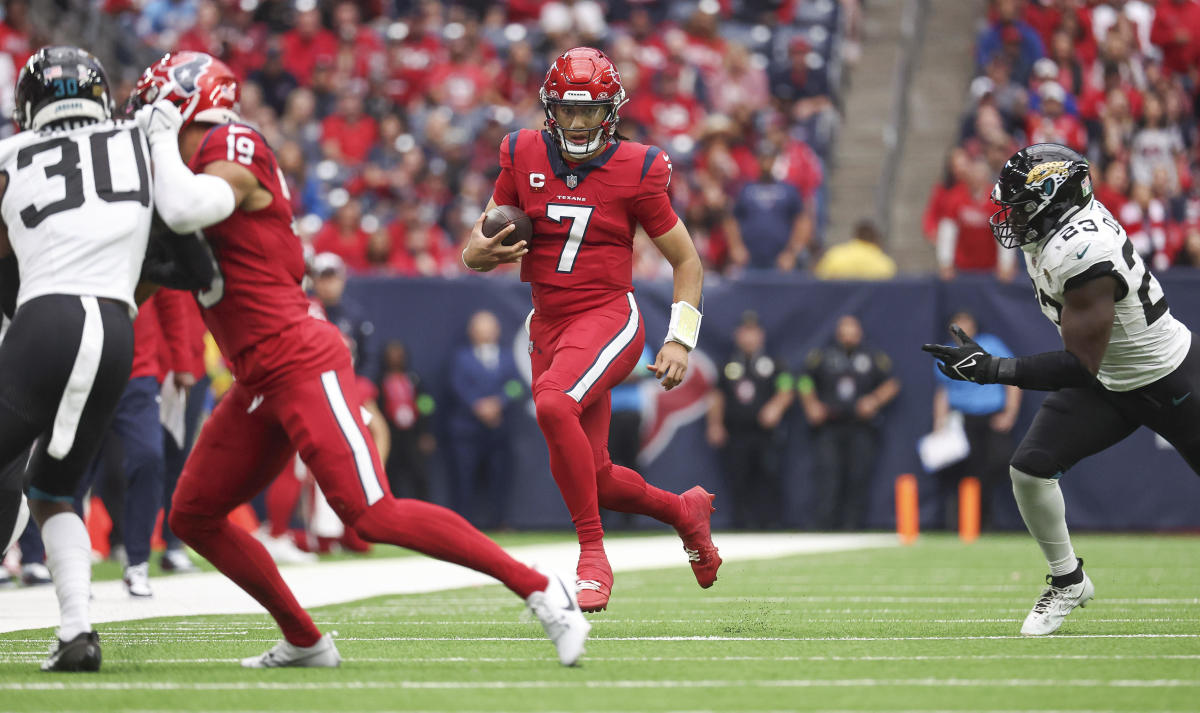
(295,390)
(586,191)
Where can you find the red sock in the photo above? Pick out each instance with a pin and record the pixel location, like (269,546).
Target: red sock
(623,490)
(438,532)
(571,461)
(244,560)
(282,496)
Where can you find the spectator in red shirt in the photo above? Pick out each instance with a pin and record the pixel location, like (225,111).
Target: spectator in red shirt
(1053,124)
(704,48)
(1066,58)
(343,235)
(1113,191)
(964,239)
(307,43)
(348,134)
(15,33)
(1176,31)
(737,83)
(359,45)
(724,154)
(672,110)
(419,245)
(1146,223)
(953,175)
(797,162)
(459,82)
(202,36)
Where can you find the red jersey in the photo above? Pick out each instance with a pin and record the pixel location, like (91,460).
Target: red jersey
(584,216)
(256,297)
(975,248)
(159,333)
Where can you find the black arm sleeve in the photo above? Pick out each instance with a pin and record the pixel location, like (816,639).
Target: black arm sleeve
(10,283)
(181,262)
(1049,371)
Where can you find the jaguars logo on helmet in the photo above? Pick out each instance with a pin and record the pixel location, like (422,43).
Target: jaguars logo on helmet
(1040,187)
(58,84)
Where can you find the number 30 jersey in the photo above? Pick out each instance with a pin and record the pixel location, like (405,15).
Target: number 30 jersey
(1147,343)
(77,206)
(584,216)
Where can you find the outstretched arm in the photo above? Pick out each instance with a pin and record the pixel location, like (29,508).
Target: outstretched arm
(184,200)
(1086,324)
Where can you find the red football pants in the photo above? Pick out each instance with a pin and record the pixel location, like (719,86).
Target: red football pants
(576,361)
(250,438)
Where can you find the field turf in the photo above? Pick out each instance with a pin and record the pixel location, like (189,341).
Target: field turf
(932,627)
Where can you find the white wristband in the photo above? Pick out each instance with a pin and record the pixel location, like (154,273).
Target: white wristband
(684,327)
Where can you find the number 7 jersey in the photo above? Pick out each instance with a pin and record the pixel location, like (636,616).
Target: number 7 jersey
(1146,343)
(584,216)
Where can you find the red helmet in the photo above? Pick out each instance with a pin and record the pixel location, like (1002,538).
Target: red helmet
(201,85)
(583,77)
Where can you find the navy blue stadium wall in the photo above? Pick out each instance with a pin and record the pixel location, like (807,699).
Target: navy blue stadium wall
(1139,484)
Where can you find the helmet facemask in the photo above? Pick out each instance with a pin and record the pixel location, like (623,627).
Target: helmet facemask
(1011,224)
(1035,197)
(582,127)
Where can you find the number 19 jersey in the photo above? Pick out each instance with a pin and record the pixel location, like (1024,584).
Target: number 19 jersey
(78,208)
(584,216)
(256,296)
(1147,343)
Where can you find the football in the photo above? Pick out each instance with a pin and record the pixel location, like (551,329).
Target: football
(502,215)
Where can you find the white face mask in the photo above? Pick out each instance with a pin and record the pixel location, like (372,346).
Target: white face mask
(581,127)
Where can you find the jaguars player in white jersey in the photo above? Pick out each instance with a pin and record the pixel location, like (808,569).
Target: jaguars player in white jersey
(1126,362)
(75,205)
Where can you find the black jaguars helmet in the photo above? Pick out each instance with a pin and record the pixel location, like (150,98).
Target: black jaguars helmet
(59,83)
(1040,186)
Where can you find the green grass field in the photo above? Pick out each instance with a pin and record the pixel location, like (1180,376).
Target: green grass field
(931,627)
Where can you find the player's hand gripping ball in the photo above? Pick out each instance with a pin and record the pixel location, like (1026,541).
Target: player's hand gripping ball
(502,216)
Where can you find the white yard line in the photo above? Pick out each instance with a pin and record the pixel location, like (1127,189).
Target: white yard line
(606,684)
(338,582)
(33,656)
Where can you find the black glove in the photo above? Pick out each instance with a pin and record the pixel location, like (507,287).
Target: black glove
(966,362)
(181,262)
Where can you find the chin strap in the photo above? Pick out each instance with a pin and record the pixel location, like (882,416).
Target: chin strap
(684,327)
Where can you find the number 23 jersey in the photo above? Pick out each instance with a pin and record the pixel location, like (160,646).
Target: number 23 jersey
(584,216)
(1146,343)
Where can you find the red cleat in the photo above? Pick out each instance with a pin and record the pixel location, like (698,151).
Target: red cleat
(594,580)
(697,537)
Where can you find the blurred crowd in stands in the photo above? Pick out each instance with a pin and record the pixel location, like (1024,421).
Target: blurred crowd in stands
(387,114)
(1116,80)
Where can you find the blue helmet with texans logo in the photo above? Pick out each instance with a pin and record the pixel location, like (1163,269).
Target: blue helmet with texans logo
(61,83)
(1040,187)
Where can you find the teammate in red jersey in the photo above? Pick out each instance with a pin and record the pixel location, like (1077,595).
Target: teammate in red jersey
(586,191)
(295,389)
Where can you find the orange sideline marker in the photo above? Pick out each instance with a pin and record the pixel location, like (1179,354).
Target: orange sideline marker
(968,509)
(908,520)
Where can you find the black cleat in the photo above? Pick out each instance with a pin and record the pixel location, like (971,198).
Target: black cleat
(79,654)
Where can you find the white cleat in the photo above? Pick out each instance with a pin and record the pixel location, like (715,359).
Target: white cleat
(1055,604)
(558,611)
(283,550)
(322,654)
(137,580)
